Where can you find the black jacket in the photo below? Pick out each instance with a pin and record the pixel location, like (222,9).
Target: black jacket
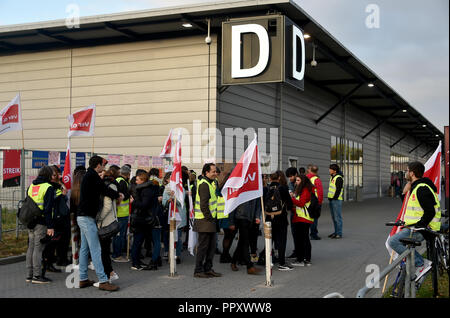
(49,204)
(92,187)
(286,201)
(145,203)
(426,201)
(249,211)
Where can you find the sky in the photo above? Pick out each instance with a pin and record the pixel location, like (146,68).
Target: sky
(409,49)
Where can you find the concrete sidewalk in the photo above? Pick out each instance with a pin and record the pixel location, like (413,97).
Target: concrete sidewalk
(337,266)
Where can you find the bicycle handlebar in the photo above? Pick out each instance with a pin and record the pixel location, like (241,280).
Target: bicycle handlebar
(411,227)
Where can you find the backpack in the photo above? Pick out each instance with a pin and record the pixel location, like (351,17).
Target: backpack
(314,207)
(28,212)
(273,201)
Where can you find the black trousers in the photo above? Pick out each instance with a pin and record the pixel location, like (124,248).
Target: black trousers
(254,233)
(206,248)
(227,242)
(62,246)
(106,255)
(279,235)
(243,248)
(302,242)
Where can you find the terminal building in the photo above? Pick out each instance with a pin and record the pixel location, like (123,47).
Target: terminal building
(216,69)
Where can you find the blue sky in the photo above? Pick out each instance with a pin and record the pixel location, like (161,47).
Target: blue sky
(410,50)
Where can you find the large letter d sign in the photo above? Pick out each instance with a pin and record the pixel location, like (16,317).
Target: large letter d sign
(264,48)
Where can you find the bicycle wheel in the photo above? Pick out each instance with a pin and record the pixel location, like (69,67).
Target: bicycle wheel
(398,290)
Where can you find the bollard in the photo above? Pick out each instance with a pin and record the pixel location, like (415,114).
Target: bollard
(268,243)
(171,247)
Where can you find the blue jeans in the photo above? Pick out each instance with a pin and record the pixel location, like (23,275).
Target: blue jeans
(156,236)
(179,243)
(336,215)
(90,244)
(396,245)
(120,241)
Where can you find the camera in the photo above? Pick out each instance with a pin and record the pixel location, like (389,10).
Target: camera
(313,63)
(208,40)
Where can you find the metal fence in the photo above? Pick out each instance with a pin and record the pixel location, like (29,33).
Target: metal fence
(10,196)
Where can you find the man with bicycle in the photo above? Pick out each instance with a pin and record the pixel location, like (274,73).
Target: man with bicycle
(422,211)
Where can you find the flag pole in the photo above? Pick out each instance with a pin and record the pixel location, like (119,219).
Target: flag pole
(268,245)
(93,139)
(172,240)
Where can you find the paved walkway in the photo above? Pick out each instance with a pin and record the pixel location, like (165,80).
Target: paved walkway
(338,266)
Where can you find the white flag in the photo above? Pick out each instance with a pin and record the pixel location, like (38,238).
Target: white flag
(167,149)
(11,116)
(433,169)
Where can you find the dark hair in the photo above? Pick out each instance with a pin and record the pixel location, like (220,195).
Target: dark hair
(46,172)
(207,168)
(274,176)
(282,177)
(115,171)
(334,167)
(56,168)
(301,170)
(95,161)
(76,185)
(305,183)
(79,168)
(292,171)
(109,175)
(417,167)
(154,172)
(313,168)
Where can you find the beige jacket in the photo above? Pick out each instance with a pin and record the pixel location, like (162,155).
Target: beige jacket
(109,212)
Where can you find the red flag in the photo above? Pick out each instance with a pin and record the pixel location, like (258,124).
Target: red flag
(396,229)
(67,173)
(82,122)
(433,169)
(245,181)
(11,168)
(167,149)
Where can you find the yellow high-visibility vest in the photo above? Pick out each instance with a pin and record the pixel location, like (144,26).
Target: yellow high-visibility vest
(123,208)
(37,193)
(303,212)
(221,208)
(332,187)
(313,179)
(414,211)
(212,201)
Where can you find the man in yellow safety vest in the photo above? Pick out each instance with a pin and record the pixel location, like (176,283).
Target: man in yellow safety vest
(335,197)
(423,210)
(205,209)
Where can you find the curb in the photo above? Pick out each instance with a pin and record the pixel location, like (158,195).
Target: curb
(12,259)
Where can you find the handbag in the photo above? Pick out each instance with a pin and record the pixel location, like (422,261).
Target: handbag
(108,231)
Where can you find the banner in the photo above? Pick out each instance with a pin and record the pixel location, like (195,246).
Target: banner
(39,159)
(11,168)
(53,158)
(82,123)
(114,160)
(80,159)
(245,181)
(157,162)
(143,161)
(11,116)
(129,159)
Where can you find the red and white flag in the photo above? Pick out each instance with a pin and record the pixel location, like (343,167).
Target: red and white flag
(245,181)
(11,116)
(67,173)
(167,149)
(176,180)
(433,169)
(82,123)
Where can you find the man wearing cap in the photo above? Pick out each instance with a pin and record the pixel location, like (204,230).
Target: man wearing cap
(123,212)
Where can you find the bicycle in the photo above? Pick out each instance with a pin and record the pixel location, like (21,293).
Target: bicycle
(401,284)
(442,246)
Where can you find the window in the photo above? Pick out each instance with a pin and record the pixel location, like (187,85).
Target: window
(399,164)
(348,155)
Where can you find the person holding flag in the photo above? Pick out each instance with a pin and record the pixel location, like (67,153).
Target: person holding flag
(205,210)
(422,210)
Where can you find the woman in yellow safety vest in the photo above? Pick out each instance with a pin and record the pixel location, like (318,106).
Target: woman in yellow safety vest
(301,199)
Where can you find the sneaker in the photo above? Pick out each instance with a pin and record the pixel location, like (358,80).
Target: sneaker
(307,263)
(212,273)
(315,238)
(137,267)
(120,259)
(108,286)
(285,267)
(332,235)
(112,277)
(40,280)
(253,271)
(337,237)
(422,270)
(298,264)
(97,284)
(91,266)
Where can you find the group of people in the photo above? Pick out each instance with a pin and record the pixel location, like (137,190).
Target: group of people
(104,202)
